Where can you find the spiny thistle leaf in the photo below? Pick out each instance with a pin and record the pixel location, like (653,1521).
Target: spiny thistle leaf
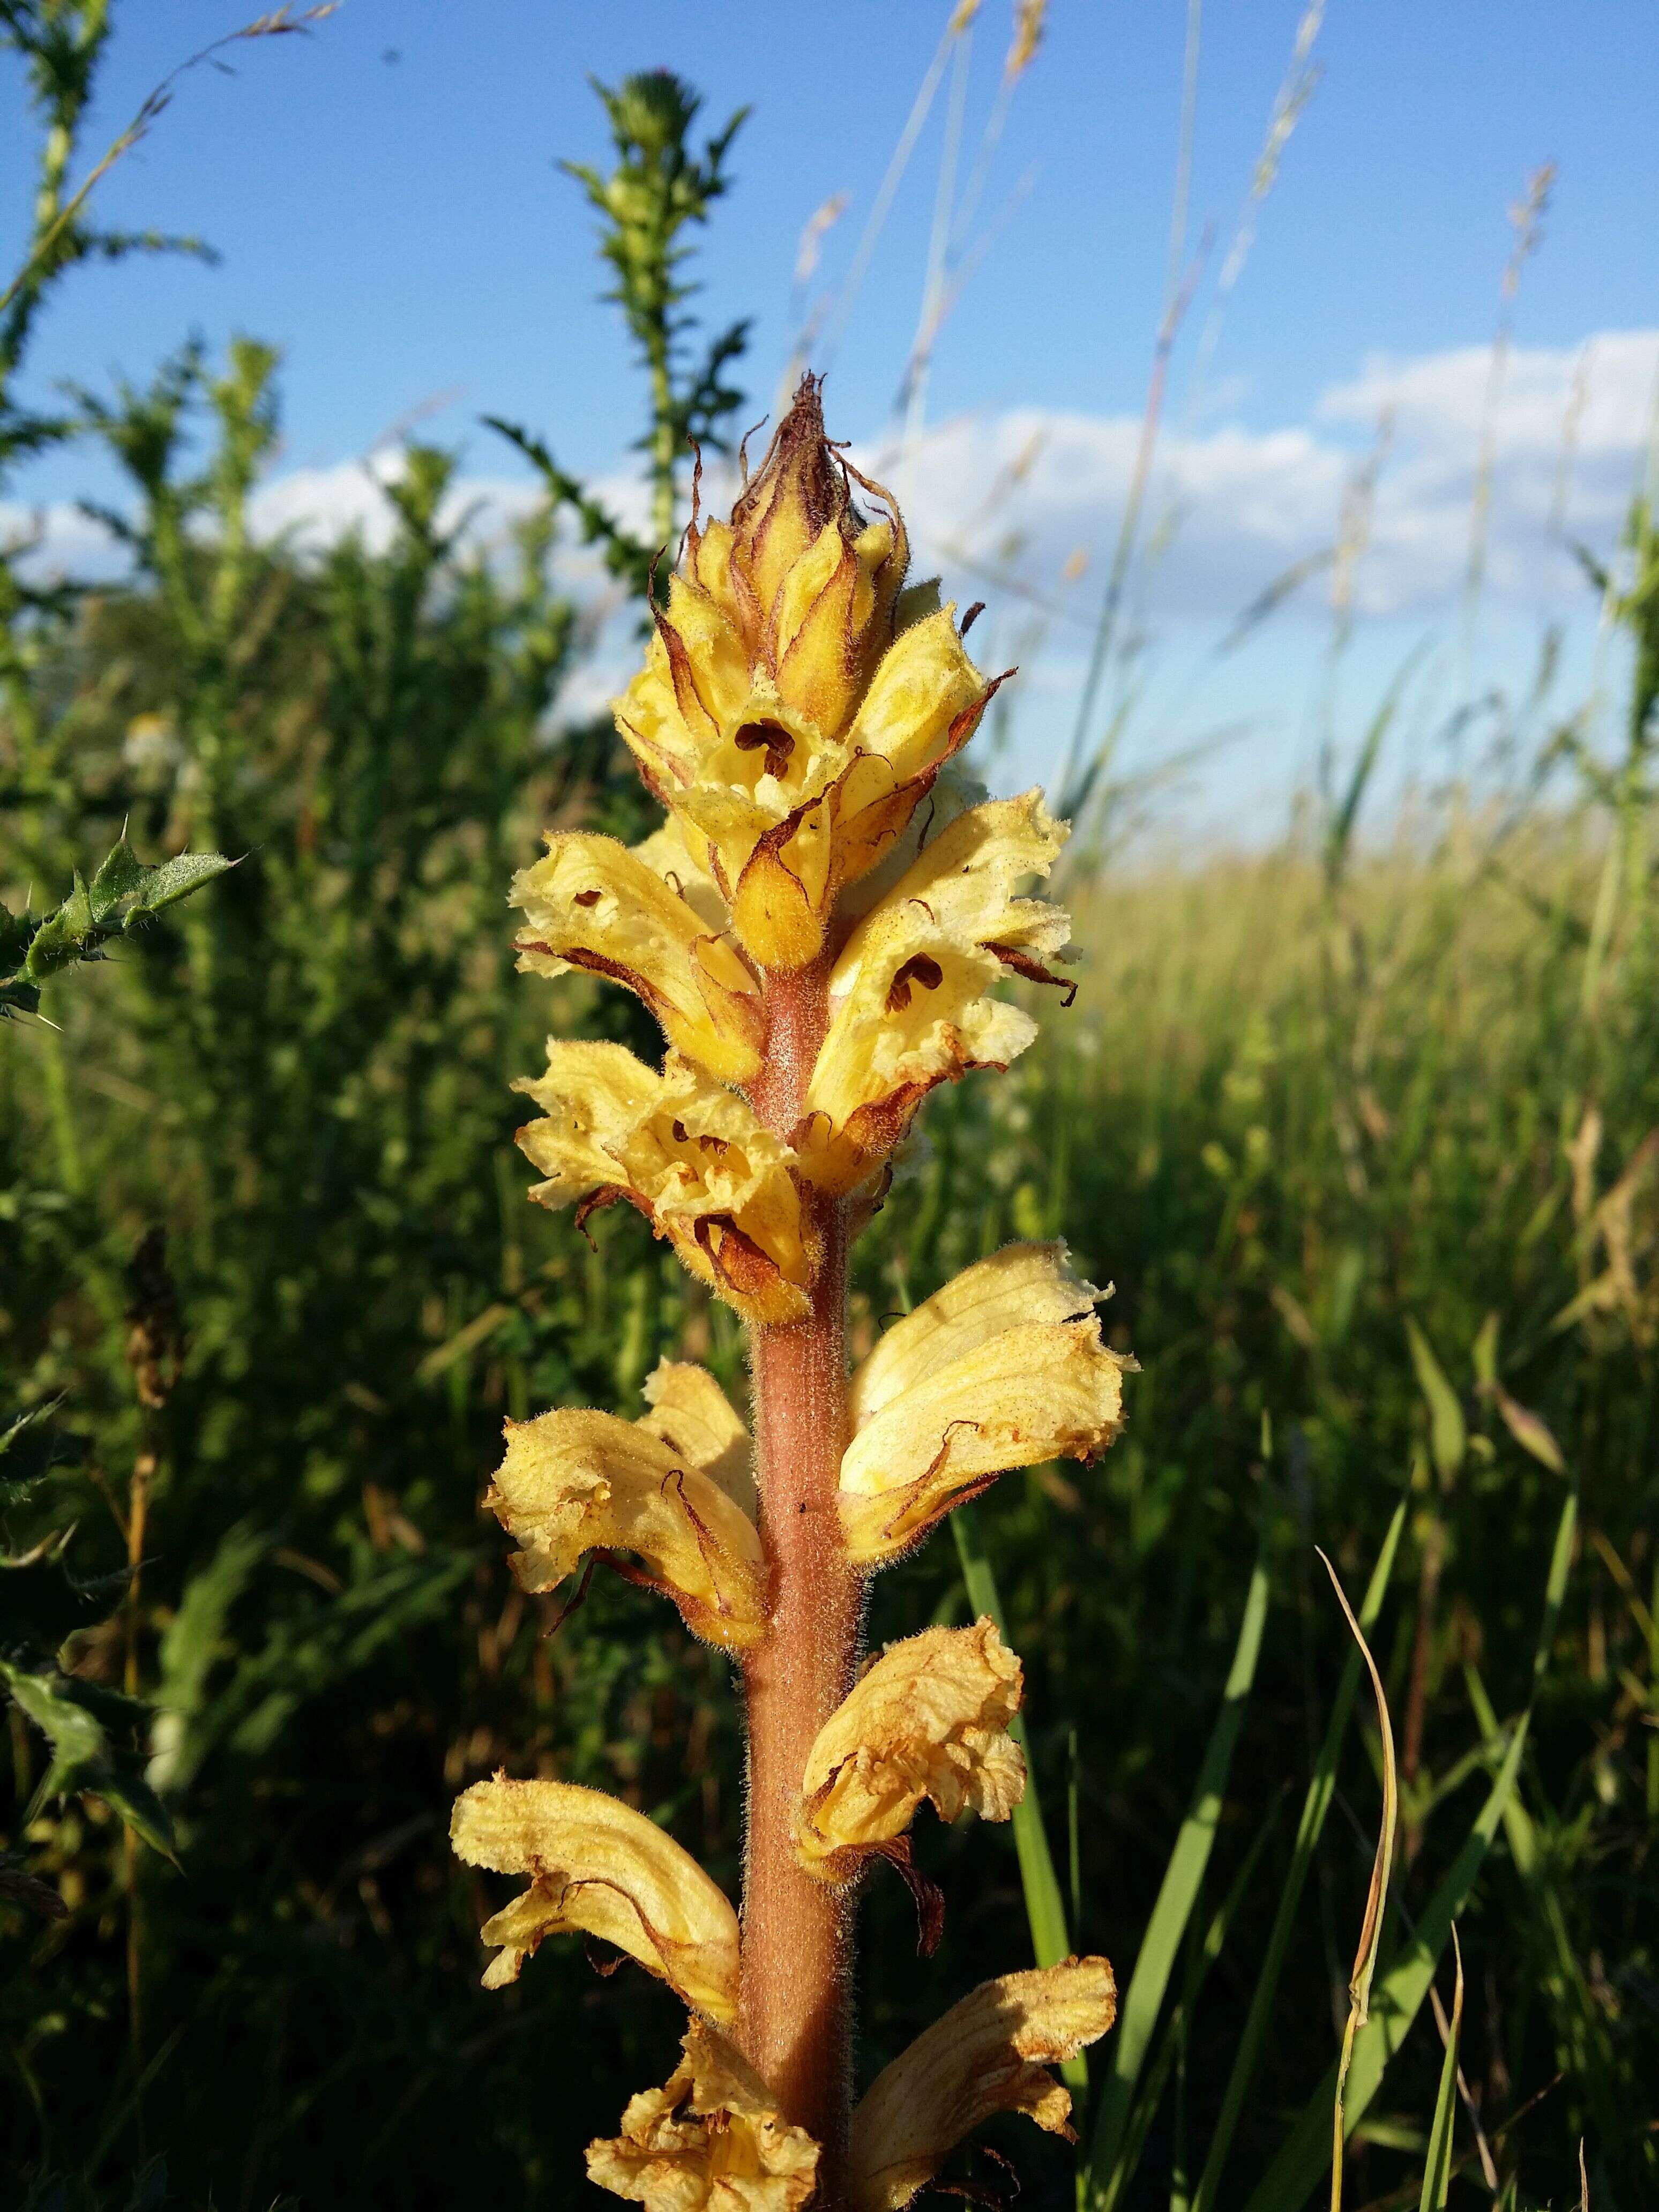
(123,893)
(76,1717)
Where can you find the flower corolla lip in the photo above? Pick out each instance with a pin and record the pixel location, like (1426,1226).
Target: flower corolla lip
(909,1000)
(712,2137)
(928,1720)
(990,2053)
(692,1157)
(592,904)
(597,1866)
(575,1482)
(1002,1367)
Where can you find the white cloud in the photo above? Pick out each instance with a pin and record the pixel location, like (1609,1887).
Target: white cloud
(1234,506)
(1569,434)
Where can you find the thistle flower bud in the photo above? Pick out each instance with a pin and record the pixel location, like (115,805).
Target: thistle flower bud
(599,1867)
(795,706)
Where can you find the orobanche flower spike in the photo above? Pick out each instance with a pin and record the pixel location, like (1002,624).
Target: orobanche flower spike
(824,931)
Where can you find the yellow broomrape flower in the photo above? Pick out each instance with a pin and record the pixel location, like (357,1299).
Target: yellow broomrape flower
(591,904)
(910,996)
(988,2054)
(576,1482)
(794,710)
(691,1156)
(712,2137)
(1002,1368)
(597,1866)
(930,1719)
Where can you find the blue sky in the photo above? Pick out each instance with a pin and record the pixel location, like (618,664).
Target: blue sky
(385,200)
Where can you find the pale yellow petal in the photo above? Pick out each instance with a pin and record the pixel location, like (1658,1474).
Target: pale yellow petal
(1016,1286)
(711,2139)
(988,2054)
(825,638)
(696,1420)
(929,1720)
(591,904)
(679,854)
(922,687)
(599,1867)
(575,1482)
(966,1387)
(910,996)
(691,1156)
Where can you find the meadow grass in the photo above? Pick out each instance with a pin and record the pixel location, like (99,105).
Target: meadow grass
(1286,1128)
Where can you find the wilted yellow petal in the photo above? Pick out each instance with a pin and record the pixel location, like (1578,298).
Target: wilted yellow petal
(712,2137)
(693,1158)
(910,997)
(573,1482)
(599,1866)
(592,904)
(699,1424)
(988,2054)
(930,1719)
(1002,1367)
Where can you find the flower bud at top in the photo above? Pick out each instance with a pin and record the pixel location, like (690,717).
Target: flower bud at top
(797,703)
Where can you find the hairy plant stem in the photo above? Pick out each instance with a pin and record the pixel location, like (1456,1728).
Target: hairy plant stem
(796,2000)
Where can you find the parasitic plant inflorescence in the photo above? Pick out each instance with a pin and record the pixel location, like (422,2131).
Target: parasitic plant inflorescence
(821,948)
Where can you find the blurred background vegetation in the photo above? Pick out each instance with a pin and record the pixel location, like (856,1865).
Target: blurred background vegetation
(1366,1131)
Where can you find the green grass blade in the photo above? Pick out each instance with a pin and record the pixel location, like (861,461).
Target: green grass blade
(1316,1804)
(1449,1438)
(1437,2173)
(1306,2153)
(1045,1908)
(1107,2174)
(1377,1899)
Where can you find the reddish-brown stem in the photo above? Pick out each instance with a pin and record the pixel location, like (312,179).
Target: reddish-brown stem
(796,2002)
